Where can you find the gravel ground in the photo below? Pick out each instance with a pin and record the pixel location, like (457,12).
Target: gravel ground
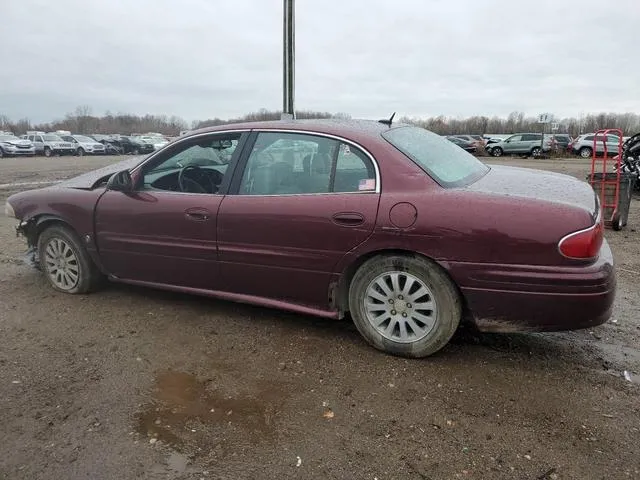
(135,383)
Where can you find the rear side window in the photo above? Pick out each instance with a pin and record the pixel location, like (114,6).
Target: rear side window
(300,163)
(529,137)
(354,171)
(444,161)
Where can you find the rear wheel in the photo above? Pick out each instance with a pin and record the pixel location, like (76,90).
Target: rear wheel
(405,306)
(616,222)
(65,261)
(585,152)
(536,151)
(496,152)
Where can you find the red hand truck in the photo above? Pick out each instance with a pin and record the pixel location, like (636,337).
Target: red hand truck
(607,184)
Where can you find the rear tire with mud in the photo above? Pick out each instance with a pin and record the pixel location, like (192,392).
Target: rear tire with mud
(66,262)
(404,305)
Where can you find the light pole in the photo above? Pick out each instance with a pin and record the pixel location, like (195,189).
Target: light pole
(288,111)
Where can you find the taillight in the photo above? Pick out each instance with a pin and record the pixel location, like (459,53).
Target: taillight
(583,244)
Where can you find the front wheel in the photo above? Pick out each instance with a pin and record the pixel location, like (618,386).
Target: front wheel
(585,152)
(403,305)
(80,152)
(65,261)
(47,152)
(496,152)
(536,152)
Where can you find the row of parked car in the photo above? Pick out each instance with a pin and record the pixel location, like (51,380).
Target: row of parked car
(66,143)
(533,144)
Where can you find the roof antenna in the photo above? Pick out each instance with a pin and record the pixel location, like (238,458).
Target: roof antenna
(388,122)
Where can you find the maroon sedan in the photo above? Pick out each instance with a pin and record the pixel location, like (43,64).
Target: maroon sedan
(391,223)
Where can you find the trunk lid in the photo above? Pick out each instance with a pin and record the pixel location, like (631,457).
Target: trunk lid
(538,185)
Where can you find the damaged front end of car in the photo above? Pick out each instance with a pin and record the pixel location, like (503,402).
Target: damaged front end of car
(29,230)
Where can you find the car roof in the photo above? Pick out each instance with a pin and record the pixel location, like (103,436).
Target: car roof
(357,128)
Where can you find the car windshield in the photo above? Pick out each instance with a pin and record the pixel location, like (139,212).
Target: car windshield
(52,138)
(447,163)
(83,138)
(6,138)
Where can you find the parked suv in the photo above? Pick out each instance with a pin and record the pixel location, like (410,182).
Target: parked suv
(561,141)
(50,144)
(12,145)
(520,144)
(84,144)
(583,145)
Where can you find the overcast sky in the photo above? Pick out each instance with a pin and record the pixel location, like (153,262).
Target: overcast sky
(221,58)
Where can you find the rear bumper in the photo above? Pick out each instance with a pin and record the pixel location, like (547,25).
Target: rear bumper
(502,298)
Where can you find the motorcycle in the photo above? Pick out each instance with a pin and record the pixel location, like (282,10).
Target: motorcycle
(631,158)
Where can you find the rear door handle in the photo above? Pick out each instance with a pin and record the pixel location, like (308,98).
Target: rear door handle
(348,219)
(197,214)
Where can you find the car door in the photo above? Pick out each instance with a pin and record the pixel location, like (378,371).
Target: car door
(297,205)
(38,142)
(531,141)
(164,231)
(512,144)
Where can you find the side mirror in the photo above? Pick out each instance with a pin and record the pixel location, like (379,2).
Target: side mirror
(120,182)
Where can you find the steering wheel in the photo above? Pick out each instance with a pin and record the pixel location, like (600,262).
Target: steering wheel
(190,185)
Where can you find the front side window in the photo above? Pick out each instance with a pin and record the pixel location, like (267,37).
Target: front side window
(445,162)
(297,163)
(195,166)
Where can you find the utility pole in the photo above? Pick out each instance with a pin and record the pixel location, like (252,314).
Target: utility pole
(288,111)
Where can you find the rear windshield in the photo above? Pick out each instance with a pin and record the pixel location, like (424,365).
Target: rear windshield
(444,161)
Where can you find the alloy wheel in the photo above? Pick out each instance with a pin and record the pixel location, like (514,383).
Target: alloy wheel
(62,264)
(400,307)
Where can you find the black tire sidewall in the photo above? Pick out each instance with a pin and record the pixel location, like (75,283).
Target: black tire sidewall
(448,302)
(85,266)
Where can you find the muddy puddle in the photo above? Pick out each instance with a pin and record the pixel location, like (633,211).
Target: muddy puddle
(191,416)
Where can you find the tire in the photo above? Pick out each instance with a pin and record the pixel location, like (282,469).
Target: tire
(435,325)
(536,151)
(585,152)
(80,152)
(47,152)
(616,222)
(496,152)
(1,153)
(62,256)
(136,151)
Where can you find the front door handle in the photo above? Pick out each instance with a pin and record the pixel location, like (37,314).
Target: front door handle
(197,214)
(348,219)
